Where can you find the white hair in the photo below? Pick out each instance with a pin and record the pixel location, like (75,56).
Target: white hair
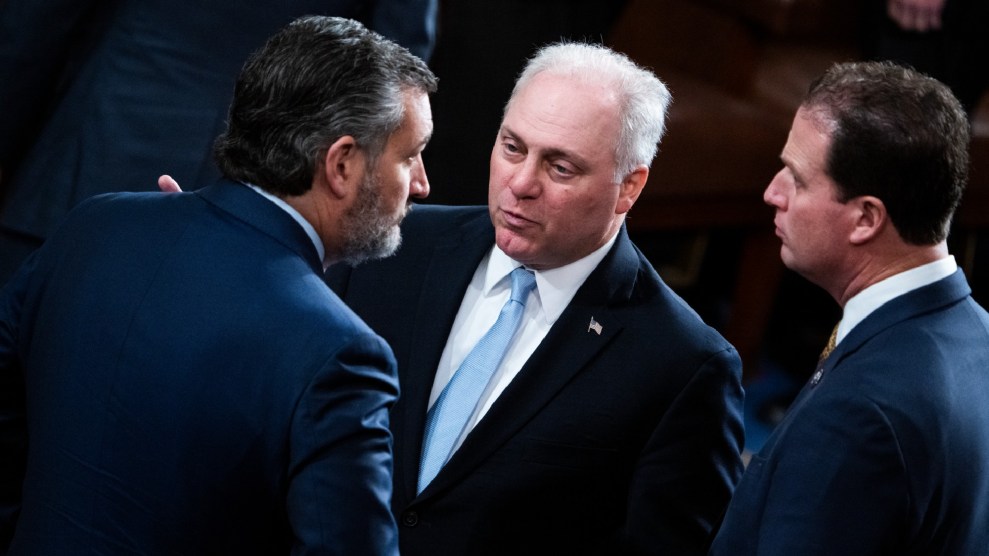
(643,97)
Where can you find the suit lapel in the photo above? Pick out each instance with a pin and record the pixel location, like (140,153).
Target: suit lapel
(931,297)
(451,267)
(928,298)
(564,352)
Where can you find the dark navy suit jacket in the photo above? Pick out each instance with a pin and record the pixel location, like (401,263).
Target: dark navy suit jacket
(622,441)
(889,452)
(105,95)
(179,379)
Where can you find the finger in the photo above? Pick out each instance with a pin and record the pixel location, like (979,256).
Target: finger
(167,184)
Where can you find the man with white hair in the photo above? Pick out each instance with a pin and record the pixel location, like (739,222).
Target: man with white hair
(607,420)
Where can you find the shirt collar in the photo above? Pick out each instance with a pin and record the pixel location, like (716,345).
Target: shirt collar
(309,229)
(868,300)
(555,287)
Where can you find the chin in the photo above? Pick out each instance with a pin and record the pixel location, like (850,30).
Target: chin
(370,247)
(390,244)
(512,244)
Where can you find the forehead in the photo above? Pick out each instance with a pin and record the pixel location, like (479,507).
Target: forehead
(562,112)
(417,120)
(808,142)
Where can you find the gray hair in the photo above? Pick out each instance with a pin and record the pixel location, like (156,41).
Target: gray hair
(643,98)
(313,82)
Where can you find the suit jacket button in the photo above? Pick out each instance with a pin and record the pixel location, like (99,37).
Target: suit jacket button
(410,519)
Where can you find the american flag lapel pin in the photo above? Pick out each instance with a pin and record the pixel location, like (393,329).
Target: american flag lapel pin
(595,326)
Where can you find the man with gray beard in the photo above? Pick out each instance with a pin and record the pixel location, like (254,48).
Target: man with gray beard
(175,376)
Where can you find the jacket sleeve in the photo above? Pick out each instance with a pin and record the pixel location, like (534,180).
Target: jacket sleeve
(691,463)
(796,500)
(340,462)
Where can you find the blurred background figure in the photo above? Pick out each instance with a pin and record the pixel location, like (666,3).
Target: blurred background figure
(105,96)
(945,39)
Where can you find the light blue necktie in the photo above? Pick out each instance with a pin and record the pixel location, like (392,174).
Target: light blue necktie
(448,416)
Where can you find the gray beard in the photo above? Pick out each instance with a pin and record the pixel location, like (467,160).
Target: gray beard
(371,232)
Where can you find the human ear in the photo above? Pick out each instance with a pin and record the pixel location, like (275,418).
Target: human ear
(870,218)
(343,166)
(631,187)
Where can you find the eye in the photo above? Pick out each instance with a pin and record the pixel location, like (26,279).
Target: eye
(413,158)
(562,170)
(509,146)
(789,177)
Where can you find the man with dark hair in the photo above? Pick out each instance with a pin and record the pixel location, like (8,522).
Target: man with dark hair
(175,376)
(886,449)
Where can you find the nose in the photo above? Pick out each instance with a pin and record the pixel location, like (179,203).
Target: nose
(773,195)
(524,182)
(419,187)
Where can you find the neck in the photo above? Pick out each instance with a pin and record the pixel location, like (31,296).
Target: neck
(876,269)
(322,216)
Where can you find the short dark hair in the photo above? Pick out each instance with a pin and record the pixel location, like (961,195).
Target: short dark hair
(898,135)
(317,80)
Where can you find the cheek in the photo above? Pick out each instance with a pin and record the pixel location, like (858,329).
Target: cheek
(499,193)
(581,207)
(815,227)
(395,187)
(496,174)
(569,215)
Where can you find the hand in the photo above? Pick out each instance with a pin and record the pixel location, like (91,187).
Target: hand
(168,185)
(916,15)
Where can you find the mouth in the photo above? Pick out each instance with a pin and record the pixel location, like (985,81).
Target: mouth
(516,220)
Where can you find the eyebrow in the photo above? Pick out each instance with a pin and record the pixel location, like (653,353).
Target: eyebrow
(421,145)
(552,152)
(797,173)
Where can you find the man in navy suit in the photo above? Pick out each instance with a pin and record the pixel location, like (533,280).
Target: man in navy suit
(96,96)
(613,423)
(886,449)
(175,375)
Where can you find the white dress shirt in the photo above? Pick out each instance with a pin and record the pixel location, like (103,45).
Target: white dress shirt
(487,293)
(868,300)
